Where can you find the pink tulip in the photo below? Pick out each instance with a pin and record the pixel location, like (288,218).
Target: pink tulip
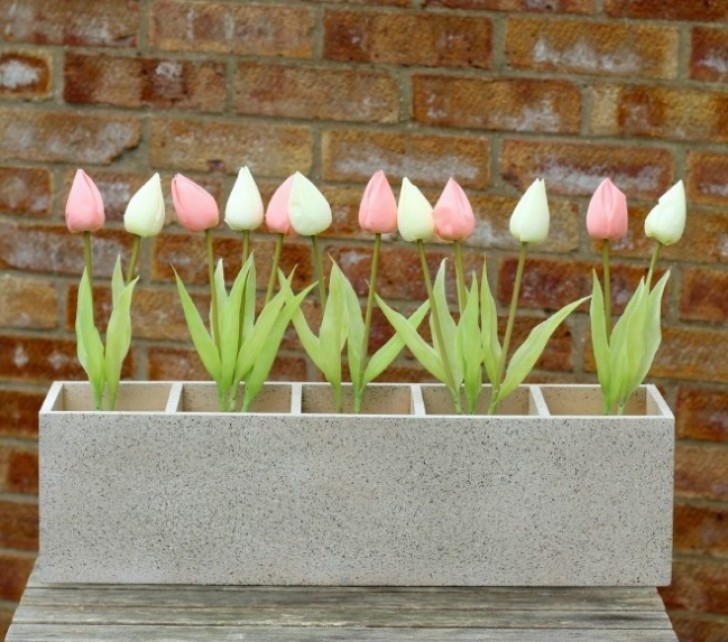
(195,207)
(606,217)
(276,216)
(84,207)
(378,208)
(453,214)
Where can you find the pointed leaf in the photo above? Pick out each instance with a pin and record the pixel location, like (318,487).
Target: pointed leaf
(489,328)
(118,339)
(117,282)
(356,349)
(248,311)
(600,342)
(230,320)
(89,347)
(468,347)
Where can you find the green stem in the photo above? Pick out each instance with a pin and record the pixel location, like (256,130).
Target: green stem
(134,258)
(213,289)
(88,260)
(359,393)
(460,276)
(274,268)
(438,330)
(318,266)
(246,247)
(653,264)
(509,329)
(607,286)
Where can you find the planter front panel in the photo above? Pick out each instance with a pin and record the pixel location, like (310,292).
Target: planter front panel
(361,500)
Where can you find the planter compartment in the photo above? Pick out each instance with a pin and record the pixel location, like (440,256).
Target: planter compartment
(409,496)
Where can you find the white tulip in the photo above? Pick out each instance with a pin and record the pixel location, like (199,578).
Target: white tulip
(415,221)
(666,221)
(530,219)
(244,209)
(145,214)
(308,209)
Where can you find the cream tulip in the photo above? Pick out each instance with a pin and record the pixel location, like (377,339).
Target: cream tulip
(530,219)
(414,214)
(244,209)
(308,209)
(145,212)
(666,221)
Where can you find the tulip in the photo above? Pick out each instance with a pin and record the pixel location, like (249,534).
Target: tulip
(453,214)
(414,214)
(378,207)
(144,215)
(244,208)
(666,221)
(196,208)
(606,217)
(530,219)
(276,216)
(308,209)
(84,206)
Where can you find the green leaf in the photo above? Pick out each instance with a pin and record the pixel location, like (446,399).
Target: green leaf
(118,339)
(356,349)
(248,311)
(530,350)
(117,282)
(333,330)
(230,321)
(600,342)
(89,347)
(448,351)
(468,345)
(491,347)
(626,346)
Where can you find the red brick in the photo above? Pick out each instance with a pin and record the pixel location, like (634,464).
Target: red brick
(652,9)
(692,354)
(27,303)
(433,40)
(315,93)
(19,525)
(659,112)
(702,414)
(230,28)
(535,6)
(144,82)
(350,155)
(584,47)
(701,471)
(19,412)
(50,248)
(25,191)
(578,168)
(15,569)
(701,529)
(518,104)
(709,54)
(18,469)
(273,150)
(706,178)
(65,137)
(6,616)
(370,3)
(698,586)
(25,74)
(38,359)
(703,295)
(106,23)
(690,628)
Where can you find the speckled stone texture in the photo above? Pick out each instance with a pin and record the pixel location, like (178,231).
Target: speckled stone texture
(168,496)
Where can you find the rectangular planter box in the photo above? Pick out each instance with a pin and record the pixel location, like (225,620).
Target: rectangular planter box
(166,490)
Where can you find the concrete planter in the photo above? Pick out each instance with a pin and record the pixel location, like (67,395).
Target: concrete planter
(165,490)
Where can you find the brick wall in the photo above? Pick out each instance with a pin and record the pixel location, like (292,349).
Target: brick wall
(494,92)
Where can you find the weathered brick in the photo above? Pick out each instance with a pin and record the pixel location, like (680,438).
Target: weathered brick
(65,137)
(701,471)
(702,414)
(51,248)
(6,617)
(144,82)
(105,23)
(659,112)
(232,28)
(315,93)
(535,6)
(370,3)
(691,628)
(19,412)
(706,178)
(27,303)
(425,159)
(707,10)
(698,585)
(18,469)
(15,569)
(518,104)
(38,359)
(25,74)
(408,39)
(692,354)
(578,168)
(586,47)
(701,529)
(18,525)
(272,150)
(703,295)
(709,54)
(25,191)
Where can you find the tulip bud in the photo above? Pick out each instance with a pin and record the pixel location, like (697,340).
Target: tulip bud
(308,209)
(414,214)
(244,209)
(145,214)
(84,207)
(195,207)
(530,219)
(606,217)
(378,207)
(453,214)
(276,216)
(666,221)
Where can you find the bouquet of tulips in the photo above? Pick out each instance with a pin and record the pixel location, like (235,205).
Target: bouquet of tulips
(239,344)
